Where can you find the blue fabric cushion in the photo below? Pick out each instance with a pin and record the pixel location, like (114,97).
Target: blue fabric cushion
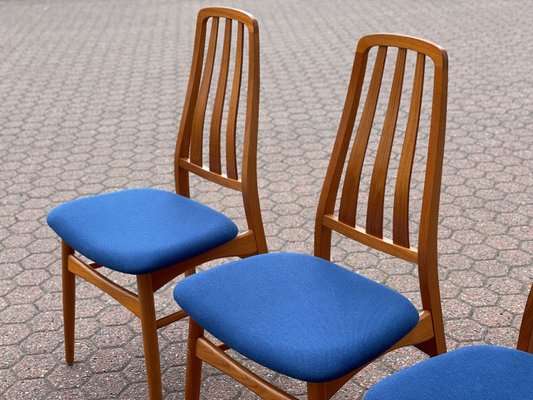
(473,373)
(297,314)
(137,231)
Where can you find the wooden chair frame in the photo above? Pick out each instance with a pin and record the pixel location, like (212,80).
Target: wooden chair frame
(188,159)
(428,334)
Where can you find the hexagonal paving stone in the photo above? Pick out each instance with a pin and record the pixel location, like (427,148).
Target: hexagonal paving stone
(105,385)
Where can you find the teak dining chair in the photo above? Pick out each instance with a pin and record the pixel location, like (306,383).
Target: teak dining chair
(157,235)
(474,373)
(304,316)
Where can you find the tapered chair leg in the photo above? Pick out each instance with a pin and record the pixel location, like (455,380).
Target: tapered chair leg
(69,302)
(194,364)
(149,332)
(317,391)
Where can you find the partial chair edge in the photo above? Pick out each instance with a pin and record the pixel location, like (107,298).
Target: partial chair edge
(525,338)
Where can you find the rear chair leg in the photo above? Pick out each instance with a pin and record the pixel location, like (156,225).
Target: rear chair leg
(149,332)
(317,391)
(69,302)
(194,364)
(437,344)
(434,346)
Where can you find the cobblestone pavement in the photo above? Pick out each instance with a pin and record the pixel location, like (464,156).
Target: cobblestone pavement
(90,99)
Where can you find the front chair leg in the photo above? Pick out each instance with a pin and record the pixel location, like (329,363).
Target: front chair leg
(149,332)
(193,379)
(69,302)
(317,391)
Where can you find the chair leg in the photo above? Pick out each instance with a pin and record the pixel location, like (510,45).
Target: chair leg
(434,346)
(149,332)
(317,391)
(437,344)
(194,364)
(69,302)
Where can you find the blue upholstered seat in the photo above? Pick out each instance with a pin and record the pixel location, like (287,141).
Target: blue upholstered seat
(297,314)
(473,373)
(137,231)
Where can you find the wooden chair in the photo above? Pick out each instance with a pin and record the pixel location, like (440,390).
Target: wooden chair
(474,373)
(304,316)
(157,235)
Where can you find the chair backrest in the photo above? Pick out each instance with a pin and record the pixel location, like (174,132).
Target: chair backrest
(344,220)
(525,338)
(190,143)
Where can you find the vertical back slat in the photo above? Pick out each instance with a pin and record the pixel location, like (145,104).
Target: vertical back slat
(350,190)
(201,105)
(376,197)
(400,225)
(218,107)
(231,148)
